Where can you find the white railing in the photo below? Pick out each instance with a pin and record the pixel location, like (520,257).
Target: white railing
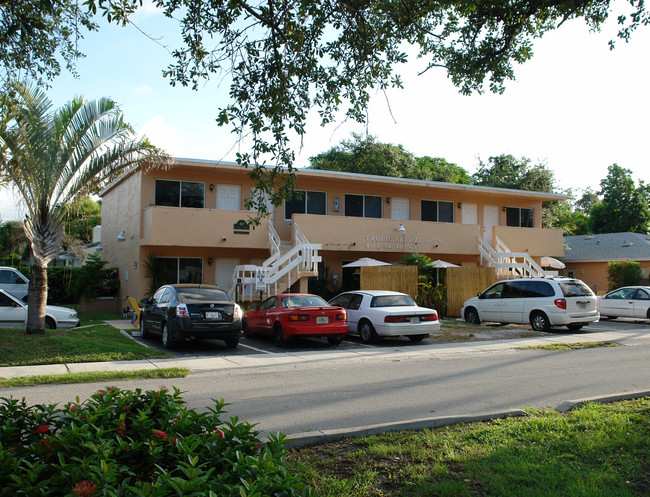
(510,264)
(278,272)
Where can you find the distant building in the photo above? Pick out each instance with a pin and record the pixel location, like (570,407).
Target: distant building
(586,256)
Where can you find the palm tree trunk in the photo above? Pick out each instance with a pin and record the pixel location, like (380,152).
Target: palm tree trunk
(36,299)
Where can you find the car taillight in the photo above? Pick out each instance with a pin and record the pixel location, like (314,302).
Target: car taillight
(237,312)
(298,317)
(395,319)
(341,316)
(561,303)
(430,317)
(181,311)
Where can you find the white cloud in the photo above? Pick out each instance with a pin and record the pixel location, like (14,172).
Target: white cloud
(148,10)
(164,136)
(140,90)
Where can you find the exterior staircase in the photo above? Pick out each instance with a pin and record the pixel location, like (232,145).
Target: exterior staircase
(287,264)
(510,264)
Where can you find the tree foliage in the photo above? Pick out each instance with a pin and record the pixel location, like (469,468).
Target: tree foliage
(623,207)
(438,169)
(623,273)
(506,171)
(81,216)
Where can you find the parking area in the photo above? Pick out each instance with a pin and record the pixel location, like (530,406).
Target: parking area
(452,331)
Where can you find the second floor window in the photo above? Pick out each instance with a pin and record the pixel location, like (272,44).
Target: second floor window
(437,211)
(519,216)
(305,202)
(179,193)
(362,205)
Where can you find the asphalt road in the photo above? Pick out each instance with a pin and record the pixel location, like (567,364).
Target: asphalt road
(405,384)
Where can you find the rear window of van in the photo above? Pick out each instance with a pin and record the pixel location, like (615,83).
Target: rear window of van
(575,288)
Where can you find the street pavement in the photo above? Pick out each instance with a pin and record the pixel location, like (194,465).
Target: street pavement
(434,350)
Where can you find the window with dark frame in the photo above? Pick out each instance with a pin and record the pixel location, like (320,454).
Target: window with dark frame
(172,193)
(437,211)
(520,217)
(363,205)
(305,202)
(182,269)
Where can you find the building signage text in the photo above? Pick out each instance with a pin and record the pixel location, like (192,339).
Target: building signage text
(398,242)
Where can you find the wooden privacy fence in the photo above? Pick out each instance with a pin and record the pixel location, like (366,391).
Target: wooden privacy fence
(397,278)
(464,283)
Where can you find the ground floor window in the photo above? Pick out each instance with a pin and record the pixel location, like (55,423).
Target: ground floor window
(519,217)
(437,211)
(182,269)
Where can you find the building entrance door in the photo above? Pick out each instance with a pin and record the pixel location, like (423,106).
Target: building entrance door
(490,219)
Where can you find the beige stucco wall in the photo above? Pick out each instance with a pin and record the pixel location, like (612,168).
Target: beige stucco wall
(536,242)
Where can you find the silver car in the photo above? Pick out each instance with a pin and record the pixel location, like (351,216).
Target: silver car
(13,314)
(626,302)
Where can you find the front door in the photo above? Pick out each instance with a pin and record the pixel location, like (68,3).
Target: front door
(229,197)
(490,219)
(399,209)
(470,213)
(223,271)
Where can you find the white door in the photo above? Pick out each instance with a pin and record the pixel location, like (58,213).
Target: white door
(490,219)
(223,271)
(470,214)
(399,208)
(229,197)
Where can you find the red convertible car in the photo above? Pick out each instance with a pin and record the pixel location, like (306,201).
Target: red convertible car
(292,314)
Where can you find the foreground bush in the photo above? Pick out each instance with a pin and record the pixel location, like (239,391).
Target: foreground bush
(134,443)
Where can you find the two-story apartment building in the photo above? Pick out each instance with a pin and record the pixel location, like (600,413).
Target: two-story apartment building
(193,217)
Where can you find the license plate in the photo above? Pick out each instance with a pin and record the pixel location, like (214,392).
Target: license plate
(414,320)
(322,320)
(213,315)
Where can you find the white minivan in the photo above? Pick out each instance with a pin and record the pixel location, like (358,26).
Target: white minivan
(13,281)
(542,302)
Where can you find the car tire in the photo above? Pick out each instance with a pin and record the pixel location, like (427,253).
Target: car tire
(278,335)
(611,318)
(574,326)
(143,328)
(416,338)
(167,340)
(367,332)
(471,316)
(539,321)
(49,323)
(231,342)
(335,339)
(245,330)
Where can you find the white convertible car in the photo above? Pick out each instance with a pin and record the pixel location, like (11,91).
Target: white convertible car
(626,302)
(13,314)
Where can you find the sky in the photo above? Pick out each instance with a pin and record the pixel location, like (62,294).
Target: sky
(576,106)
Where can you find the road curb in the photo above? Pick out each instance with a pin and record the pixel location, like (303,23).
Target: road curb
(569,405)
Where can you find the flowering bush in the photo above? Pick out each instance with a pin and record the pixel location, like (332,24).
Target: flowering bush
(134,443)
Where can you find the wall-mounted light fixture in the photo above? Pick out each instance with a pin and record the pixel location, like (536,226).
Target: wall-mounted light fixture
(388,200)
(337,204)
(504,208)
(401,229)
(122,236)
(209,261)
(460,205)
(211,186)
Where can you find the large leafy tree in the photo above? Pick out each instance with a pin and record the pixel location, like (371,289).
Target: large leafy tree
(50,157)
(506,171)
(438,169)
(287,58)
(623,207)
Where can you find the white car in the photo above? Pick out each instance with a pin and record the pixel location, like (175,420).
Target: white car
(13,314)
(542,302)
(14,282)
(626,302)
(381,313)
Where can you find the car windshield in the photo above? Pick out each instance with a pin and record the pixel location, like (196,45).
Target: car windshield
(195,295)
(391,301)
(575,288)
(303,301)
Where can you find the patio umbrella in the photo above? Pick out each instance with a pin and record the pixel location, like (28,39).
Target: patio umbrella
(552,262)
(442,264)
(365,262)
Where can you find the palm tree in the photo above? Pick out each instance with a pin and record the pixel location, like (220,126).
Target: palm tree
(50,157)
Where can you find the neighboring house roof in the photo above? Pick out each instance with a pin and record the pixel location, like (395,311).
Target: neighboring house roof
(607,247)
(541,196)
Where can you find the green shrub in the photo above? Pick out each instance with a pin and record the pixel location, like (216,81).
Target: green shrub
(624,273)
(121,442)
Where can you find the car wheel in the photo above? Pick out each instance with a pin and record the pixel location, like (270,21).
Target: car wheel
(335,339)
(416,338)
(49,323)
(245,331)
(143,328)
(471,316)
(574,326)
(278,335)
(231,342)
(167,340)
(539,321)
(610,318)
(367,332)
(648,314)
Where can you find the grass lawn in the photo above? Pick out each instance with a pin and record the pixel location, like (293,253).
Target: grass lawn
(85,344)
(596,450)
